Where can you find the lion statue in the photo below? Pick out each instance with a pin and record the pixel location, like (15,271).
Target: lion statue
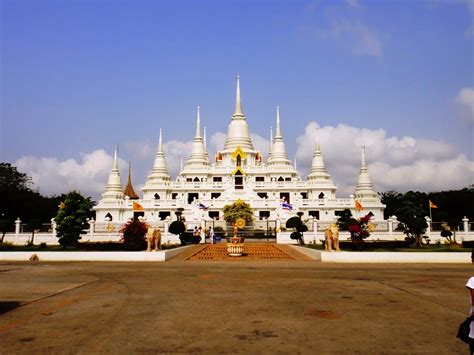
(331,235)
(153,238)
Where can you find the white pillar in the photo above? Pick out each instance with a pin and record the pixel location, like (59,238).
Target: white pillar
(166,226)
(53,226)
(17,230)
(315,230)
(465,227)
(428,230)
(91,226)
(390,227)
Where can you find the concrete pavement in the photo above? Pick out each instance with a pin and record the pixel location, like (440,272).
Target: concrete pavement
(184,306)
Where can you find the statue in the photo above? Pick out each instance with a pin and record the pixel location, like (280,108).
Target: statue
(331,236)
(153,238)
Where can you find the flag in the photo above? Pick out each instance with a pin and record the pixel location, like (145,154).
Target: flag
(202,207)
(286,206)
(137,206)
(358,206)
(61,205)
(432,205)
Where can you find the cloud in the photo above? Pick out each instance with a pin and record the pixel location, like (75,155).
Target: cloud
(175,151)
(470,6)
(361,38)
(352,3)
(394,163)
(465,99)
(53,177)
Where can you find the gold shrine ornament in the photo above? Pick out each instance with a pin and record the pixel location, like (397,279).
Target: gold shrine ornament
(240,223)
(110,228)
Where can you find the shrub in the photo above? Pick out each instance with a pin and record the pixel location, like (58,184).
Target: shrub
(133,235)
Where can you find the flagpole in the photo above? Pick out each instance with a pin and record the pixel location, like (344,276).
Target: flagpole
(429,205)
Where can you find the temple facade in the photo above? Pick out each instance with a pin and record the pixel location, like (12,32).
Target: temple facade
(271,185)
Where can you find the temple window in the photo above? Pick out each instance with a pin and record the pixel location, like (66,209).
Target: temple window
(259,178)
(196,179)
(108,215)
(239,160)
(174,195)
(281,178)
(163,214)
(304,195)
(215,194)
(157,197)
(321,195)
(314,214)
(217,179)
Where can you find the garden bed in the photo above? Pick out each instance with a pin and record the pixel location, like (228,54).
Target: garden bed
(395,246)
(86,246)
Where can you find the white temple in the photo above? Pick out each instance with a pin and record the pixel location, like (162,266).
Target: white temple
(271,185)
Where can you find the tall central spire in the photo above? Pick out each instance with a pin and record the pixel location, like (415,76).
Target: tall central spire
(238,132)
(238,112)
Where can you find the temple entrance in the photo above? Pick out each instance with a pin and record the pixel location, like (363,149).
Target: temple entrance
(238,180)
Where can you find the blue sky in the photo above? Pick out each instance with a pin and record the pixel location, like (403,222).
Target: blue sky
(79,76)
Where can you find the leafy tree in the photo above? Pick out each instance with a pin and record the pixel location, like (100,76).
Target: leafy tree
(133,235)
(359,229)
(411,216)
(72,218)
(297,224)
(5,226)
(392,201)
(19,201)
(32,225)
(12,179)
(236,210)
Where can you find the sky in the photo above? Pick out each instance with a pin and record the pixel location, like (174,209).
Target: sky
(80,76)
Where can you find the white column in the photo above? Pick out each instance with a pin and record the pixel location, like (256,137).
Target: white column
(92,227)
(53,226)
(465,227)
(428,230)
(17,230)
(315,230)
(390,227)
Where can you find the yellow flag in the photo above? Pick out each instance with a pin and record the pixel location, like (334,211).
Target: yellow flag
(358,206)
(432,205)
(61,205)
(137,206)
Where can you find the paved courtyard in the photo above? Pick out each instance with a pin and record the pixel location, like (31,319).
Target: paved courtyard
(251,307)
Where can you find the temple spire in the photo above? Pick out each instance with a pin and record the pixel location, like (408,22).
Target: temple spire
(198,124)
(199,156)
(278,154)
(129,191)
(114,182)
(238,112)
(364,188)
(278,128)
(160,141)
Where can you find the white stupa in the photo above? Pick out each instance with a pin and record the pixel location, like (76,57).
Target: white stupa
(238,171)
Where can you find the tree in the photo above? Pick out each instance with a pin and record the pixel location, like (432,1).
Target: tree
(19,201)
(297,224)
(5,226)
(411,216)
(359,229)
(72,218)
(236,210)
(12,179)
(33,225)
(133,235)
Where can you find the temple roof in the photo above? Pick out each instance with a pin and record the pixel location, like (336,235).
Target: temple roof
(128,191)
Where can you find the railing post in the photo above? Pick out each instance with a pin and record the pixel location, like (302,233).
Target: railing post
(428,229)
(315,229)
(465,227)
(17,230)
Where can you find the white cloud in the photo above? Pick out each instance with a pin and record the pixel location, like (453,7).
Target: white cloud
(175,151)
(465,99)
(352,3)
(470,7)
(399,164)
(53,177)
(361,38)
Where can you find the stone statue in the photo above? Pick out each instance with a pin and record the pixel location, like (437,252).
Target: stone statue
(331,236)
(153,238)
